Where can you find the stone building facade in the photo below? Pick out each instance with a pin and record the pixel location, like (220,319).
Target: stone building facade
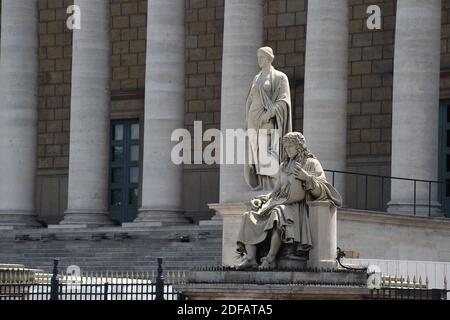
(368,101)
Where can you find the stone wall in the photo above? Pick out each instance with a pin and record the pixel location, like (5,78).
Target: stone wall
(393,237)
(285,32)
(55,64)
(128,36)
(204,37)
(369,110)
(371,54)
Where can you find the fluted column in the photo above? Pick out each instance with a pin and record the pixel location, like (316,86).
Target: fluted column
(89,117)
(415,108)
(18,112)
(243,35)
(325,98)
(162,201)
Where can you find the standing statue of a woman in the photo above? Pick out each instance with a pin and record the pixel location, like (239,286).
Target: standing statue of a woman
(268,117)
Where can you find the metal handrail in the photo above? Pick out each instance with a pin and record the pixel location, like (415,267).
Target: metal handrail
(382,178)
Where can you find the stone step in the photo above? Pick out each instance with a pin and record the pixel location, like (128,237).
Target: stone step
(136,253)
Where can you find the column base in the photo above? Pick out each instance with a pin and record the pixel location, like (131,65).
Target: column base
(18,220)
(86,218)
(160,217)
(422,210)
(216,220)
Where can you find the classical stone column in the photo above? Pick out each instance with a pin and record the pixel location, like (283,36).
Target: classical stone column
(162,201)
(243,35)
(415,108)
(89,117)
(325,98)
(18,112)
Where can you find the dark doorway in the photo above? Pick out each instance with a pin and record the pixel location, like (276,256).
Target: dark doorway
(124,170)
(444,156)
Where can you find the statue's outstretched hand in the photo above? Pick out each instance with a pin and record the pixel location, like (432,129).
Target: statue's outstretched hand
(300,173)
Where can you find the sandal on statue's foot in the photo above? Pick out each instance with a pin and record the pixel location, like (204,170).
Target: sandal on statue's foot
(267,264)
(247,264)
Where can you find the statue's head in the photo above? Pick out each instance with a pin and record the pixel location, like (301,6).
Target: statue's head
(293,144)
(265,56)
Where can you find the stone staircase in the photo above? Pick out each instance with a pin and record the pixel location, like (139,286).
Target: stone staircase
(115,248)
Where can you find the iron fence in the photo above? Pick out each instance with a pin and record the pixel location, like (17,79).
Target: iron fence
(408,294)
(20,284)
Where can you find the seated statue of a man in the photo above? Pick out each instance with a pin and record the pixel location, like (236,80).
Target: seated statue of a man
(281,217)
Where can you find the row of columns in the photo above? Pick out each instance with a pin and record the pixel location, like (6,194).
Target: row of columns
(415,102)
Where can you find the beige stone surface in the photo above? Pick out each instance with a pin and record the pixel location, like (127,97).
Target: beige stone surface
(323,221)
(373,235)
(270,292)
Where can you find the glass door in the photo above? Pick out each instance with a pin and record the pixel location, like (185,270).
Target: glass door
(124,170)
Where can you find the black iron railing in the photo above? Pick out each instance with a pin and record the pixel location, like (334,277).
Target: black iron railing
(372,192)
(408,294)
(89,286)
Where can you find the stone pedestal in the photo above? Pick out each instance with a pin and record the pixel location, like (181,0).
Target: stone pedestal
(323,222)
(231,214)
(281,285)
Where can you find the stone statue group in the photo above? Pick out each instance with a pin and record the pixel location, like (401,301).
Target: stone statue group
(277,224)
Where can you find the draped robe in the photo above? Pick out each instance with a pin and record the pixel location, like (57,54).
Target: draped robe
(272,96)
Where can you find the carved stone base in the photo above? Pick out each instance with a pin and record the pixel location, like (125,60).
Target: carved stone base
(292,262)
(286,285)
(288,258)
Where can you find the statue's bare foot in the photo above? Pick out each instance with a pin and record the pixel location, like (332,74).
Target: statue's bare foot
(267,264)
(247,264)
